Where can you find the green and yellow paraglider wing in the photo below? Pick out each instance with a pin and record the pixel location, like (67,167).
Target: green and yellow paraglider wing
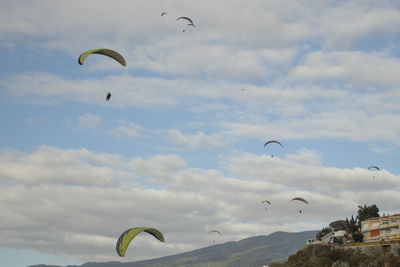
(103,51)
(126,237)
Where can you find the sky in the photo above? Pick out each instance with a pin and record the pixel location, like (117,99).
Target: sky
(180,145)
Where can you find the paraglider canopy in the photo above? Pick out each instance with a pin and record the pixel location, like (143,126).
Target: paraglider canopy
(300,199)
(126,237)
(214,231)
(273,141)
(374,167)
(186,18)
(102,51)
(265,201)
(163,14)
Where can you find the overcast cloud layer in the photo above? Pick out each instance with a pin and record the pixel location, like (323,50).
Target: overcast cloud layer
(179,147)
(79,201)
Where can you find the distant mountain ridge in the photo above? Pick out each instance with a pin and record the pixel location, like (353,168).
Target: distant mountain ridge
(252,251)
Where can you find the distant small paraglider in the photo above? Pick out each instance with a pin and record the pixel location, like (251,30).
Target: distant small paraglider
(188,20)
(300,199)
(163,14)
(374,168)
(105,52)
(214,231)
(108,96)
(273,141)
(265,202)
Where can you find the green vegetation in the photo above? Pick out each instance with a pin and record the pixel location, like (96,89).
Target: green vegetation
(357,237)
(366,212)
(321,256)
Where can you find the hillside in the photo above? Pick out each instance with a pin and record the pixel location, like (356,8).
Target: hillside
(322,255)
(253,251)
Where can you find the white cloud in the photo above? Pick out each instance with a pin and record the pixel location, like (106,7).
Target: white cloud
(65,217)
(198,140)
(380,149)
(346,124)
(36,119)
(305,156)
(127,130)
(356,69)
(89,120)
(357,23)
(51,165)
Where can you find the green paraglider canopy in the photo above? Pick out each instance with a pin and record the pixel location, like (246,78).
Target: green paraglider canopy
(126,237)
(373,167)
(102,51)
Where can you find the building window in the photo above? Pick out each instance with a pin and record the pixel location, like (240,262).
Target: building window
(385,222)
(384,231)
(365,225)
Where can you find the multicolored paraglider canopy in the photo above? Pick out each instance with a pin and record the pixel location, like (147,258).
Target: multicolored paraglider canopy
(300,199)
(214,231)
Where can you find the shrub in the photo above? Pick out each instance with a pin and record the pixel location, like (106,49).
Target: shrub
(358,237)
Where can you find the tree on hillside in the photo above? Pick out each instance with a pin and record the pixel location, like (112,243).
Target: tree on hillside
(352,225)
(366,212)
(338,225)
(323,232)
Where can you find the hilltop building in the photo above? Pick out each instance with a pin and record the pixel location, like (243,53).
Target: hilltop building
(334,237)
(381,228)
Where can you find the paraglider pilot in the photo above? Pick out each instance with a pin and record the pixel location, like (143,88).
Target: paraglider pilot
(108,96)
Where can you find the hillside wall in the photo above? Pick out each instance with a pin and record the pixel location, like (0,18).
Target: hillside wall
(377,249)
